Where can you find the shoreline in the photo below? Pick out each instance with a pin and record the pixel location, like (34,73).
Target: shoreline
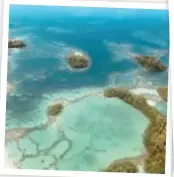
(18,133)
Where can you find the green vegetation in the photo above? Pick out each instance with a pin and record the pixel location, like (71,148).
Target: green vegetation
(127,167)
(155,163)
(54,109)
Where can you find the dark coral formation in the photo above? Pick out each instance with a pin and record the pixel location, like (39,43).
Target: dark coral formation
(14,43)
(127,167)
(150,63)
(78,60)
(155,134)
(54,109)
(163,92)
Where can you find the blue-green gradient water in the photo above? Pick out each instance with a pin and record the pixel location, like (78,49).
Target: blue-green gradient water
(97,130)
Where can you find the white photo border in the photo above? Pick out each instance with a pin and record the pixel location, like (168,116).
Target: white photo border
(3,81)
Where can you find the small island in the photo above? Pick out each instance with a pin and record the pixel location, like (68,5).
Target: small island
(78,60)
(54,109)
(150,63)
(163,92)
(14,43)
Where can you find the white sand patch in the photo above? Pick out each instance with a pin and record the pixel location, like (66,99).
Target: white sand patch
(140,91)
(78,53)
(151,103)
(8,162)
(141,168)
(151,95)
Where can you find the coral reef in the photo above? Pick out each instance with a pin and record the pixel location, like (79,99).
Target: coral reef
(127,167)
(78,60)
(14,43)
(155,143)
(54,109)
(124,94)
(155,134)
(150,63)
(155,163)
(163,92)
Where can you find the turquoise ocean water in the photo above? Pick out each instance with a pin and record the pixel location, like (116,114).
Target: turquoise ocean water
(92,131)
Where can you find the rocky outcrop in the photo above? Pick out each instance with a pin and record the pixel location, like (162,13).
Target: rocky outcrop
(163,92)
(155,134)
(150,63)
(125,166)
(14,43)
(54,109)
(78,60)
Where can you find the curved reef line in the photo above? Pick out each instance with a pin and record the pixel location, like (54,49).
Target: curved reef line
(155,134)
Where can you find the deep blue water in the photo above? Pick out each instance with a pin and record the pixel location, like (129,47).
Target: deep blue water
(46,28)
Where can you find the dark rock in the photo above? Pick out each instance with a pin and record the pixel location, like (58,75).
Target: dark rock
(150,63)
(13,43)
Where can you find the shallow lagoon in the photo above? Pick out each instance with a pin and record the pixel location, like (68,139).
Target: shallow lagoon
(96,128)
